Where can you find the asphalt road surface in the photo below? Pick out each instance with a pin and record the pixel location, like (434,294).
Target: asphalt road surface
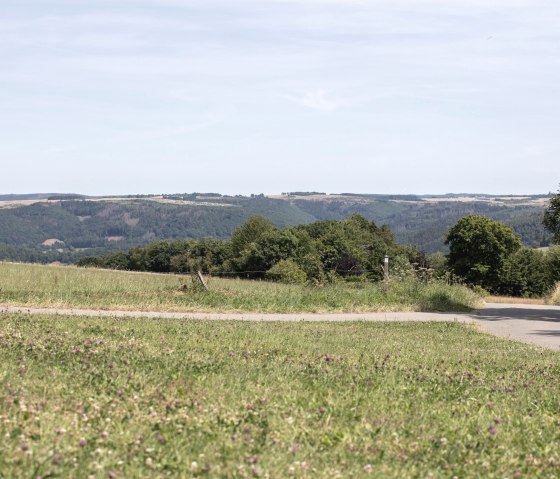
(535,324)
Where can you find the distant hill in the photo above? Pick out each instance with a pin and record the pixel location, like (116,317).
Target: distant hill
(424,220)
(66,227)
(31,196)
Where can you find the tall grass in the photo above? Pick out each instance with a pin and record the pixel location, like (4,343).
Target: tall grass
(554,297)
(66,286)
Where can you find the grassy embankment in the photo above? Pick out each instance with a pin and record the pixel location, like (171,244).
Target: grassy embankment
(554,297)
(63,287)
(149,398)
(514,300)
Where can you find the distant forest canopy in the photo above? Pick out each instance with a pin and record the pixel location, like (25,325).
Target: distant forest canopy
(31,196)
(67,228)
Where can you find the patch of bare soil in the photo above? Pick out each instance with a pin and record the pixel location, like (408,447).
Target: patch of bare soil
(52,242)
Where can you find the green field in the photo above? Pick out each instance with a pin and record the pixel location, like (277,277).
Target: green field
(66,286)
(145,398)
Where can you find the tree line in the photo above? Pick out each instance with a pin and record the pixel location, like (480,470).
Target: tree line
(315,253)
(488,254)
(483,253)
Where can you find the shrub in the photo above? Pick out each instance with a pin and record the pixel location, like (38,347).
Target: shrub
(437,262)
(480,291)
(553,263)
(554,297)
(179,263)
(313,268)
(287,271)
(524,273)
(400,267)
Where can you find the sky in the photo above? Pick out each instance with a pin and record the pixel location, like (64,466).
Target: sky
(269,96)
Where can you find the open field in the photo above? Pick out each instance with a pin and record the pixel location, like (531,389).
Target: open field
(66,287)
(158,199)
(502,200)
(168,398)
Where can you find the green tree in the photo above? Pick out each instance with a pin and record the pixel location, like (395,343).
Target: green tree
(352,246)
(270,248)
(551,218)
(479,248)
(248,233)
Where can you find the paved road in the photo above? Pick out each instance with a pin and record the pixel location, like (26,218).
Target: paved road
(529,323)
(533,324)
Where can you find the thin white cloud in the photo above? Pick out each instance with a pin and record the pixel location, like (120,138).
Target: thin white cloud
(57,149)
(134,82)
(316,100)
(163,132)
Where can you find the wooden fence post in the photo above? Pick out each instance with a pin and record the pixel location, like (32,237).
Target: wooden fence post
(201,279)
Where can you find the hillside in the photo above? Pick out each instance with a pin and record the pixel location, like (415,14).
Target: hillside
(424,220)
(36,228)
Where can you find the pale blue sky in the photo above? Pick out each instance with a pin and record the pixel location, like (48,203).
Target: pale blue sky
(396,96)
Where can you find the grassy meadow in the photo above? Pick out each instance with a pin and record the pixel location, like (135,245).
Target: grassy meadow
(139,398)
(66,287)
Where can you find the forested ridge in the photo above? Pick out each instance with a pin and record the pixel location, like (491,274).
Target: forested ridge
(67,229)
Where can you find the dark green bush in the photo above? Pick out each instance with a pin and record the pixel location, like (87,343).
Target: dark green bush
(287,271)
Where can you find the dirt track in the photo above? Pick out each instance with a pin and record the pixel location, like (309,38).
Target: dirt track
(533,324)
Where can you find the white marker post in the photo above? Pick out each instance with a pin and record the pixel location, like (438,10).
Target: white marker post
(386,273)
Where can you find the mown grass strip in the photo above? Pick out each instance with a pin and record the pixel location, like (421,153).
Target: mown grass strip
(101,397)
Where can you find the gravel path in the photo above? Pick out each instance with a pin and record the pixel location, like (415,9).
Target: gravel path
(533,324)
